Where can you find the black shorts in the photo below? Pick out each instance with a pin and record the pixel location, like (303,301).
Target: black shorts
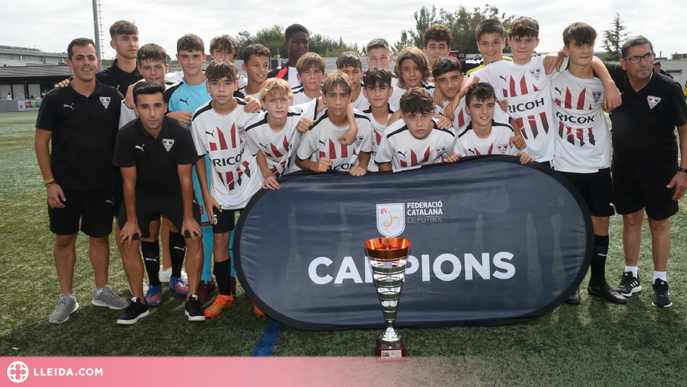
(596,190)
(150,206)
(226,220)
(95,209)
(632,192)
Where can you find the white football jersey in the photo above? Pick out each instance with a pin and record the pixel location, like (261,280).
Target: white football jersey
(279,147)
(377,133)
(235,172)
(526,88)
(361,103)
(582,140)
(497,143)
(461,117)
(126,115)
(299,96)
(403,150)
(321,140)
(395,97)
(242,93)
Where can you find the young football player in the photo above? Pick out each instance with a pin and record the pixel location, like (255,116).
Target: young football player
(310,74)
(483,135)
(583,146)
(379,55)
(320,148)
(152,64)
(412,71)
(256,63)
(491,40)
(418,140)
(218,132)
(123,71)
(437,44)
(156,156)
(377,89)
(351,64)
(296,44)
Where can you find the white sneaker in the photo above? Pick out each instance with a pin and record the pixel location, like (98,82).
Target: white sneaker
(165,275)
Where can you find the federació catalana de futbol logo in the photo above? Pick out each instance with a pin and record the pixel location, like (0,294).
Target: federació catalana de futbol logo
(391,220)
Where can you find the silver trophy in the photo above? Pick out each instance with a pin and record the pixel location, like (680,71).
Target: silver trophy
(388,258)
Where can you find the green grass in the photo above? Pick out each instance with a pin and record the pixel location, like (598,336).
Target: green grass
(595,343)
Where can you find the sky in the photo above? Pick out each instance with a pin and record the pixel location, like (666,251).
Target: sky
(50,27)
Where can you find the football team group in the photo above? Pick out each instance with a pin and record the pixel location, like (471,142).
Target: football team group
(177,156)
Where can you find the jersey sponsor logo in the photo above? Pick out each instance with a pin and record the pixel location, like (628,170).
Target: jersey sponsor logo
(140,147)
(575,119)
(184,100)
(653,101)
(391,219)
(535,73)
(69,106)
(597,95)
(525,106)
(105,101)
(167,142)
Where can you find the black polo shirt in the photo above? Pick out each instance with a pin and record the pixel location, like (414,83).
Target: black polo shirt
(118,78)
(644,125)
(83,135)
(156,159)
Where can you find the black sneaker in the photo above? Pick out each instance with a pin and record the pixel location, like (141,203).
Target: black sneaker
(194,309)
(628,284)
(661,294)
(574,298)
(605,291)
(136,311)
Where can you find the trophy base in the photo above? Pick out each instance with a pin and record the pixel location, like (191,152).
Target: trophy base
(385,353)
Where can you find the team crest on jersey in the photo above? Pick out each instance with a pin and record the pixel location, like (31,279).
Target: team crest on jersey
(358,140)
(535,73)
(167,142)
(440,150)
(503,148)
(105,101)
(597,95)
(391,220)
(240,130)
(653,101)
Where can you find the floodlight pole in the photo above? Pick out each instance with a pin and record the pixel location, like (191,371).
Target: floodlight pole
(96,28)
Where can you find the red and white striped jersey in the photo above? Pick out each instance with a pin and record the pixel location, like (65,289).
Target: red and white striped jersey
(279,147)
(377,133)
(321,140)
(582,139)
(235,172)
(527,90)
(403,150)
(497,143)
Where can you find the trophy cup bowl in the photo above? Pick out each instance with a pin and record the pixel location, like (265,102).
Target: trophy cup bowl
(388,258)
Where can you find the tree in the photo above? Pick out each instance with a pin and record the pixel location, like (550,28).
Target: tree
(614,38)
(274,37)
(462,23)
(423,19)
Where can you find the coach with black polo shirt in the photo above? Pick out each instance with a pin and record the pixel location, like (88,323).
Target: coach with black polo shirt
(646,174)
(156,155)
(82,121)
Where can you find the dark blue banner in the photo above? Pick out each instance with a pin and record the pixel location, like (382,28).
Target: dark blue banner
(493,242)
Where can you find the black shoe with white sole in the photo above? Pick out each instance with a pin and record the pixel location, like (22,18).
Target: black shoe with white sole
(628,284)
(136,311)
(194,309)
(661,294)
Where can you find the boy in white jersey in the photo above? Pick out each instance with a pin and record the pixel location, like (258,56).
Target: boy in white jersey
(437,44)
(256,63)
(377,90)
(583,146)
(483,135)
(379,55)
(418,140)
(320,149)
(412,70)
(448,77)
(351,64)
(218,131)
(310,73)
